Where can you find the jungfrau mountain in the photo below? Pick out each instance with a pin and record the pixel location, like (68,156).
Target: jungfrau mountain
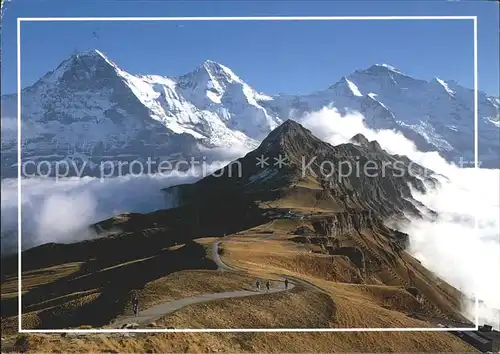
(89,109)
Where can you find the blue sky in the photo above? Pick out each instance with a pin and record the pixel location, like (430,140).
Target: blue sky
(273,57)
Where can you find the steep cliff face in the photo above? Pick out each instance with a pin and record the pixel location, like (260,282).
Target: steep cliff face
(340,234)
(345,222)
(377,253)
(338,224)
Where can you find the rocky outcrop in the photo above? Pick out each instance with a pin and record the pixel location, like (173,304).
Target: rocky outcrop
(303,230)
(342,223)
(355,255)
(354,177)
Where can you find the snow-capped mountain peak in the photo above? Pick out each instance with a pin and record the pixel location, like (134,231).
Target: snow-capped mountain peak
(384,77)
(383,71)
(211,76)
(220,72)
(87,65)
(95,54)
(89,100)
(388,67)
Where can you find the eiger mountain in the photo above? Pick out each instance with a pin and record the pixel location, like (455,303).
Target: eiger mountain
(88,108)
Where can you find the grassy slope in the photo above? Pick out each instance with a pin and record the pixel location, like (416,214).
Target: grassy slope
(349,298)
(280,256)
(66,296)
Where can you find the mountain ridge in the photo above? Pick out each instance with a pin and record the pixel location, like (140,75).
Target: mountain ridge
(322,230)
(293,163)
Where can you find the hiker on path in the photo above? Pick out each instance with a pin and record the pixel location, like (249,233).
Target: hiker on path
(258,285)
(286,283)
(268,285)
(135,305)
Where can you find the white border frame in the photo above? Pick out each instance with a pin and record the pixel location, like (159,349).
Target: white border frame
(250,18)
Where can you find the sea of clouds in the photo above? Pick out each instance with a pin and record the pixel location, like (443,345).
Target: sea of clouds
(463,245)
(452,246)
(61,210)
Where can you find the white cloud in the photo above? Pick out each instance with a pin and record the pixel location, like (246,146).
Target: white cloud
(61,210)
(451,246)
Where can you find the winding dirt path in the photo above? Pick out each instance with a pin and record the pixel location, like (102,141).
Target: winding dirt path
(147,316)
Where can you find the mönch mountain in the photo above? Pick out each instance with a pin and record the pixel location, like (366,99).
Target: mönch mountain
(89,110)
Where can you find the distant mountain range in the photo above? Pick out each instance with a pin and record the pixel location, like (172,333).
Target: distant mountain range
(89,109)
